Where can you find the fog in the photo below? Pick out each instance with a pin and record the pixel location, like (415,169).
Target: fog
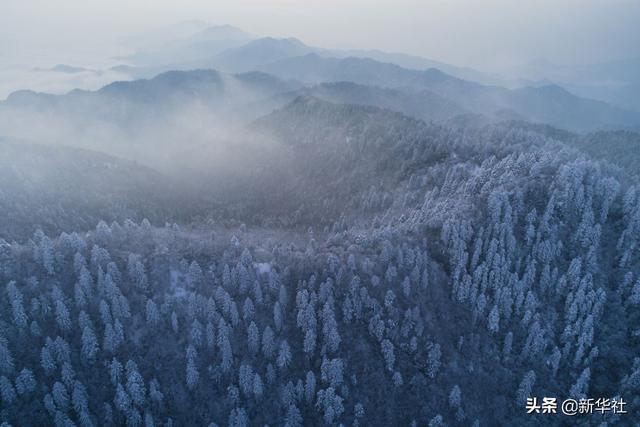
(200,124)
(180,133)
(490,35)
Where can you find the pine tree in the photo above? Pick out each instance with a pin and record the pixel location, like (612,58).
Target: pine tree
(397,379)
(248,310)
(47,253)
(437,421)
(332,372)
(115,371)
(455,397)
(634,297)
(268,343)
(507,346)
(135,384)
(195,278)
(89,344)
(174,322)
(148,420)
(6,359)
(226,352)
(238,418)
(79,398)
(277,316)
(25,382)
(494,320)
(152,314)
(330,327)
(330,404)
(7,392)
(136,272)
(253,338)
(122,401)
(196,334)
(525,388)
(258,387)
(60,396)
(20,318)
(47,361)
(284,355)
(192,373)
(110,342)
(155,393)
(63,318)
(433,360)
(389,355)
(310,387)
(67,374)
(309,343)
(293,418)
(245,379)
(581,387)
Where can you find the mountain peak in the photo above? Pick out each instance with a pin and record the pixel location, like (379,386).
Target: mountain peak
(277,42)
(220,32)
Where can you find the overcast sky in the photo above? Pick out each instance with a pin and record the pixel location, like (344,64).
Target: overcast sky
(478,33)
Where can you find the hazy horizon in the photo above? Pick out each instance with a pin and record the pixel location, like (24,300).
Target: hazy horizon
(488,36)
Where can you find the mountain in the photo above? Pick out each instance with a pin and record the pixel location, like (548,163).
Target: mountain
(546,104)
(164,91)
(142,119)
(219,33)
(418,63)
(244,53)
(557,106)
(192,51)
(62,188)
(333,155)
(338,150)
(616,82)
(252,55)
(423,104)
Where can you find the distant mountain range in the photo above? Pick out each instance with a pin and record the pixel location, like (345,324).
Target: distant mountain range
(230,50)
(172,104)
(615,82)
(207,109)
(196,45)
(547,104)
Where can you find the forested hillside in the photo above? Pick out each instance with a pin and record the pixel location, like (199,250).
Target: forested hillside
(63,188)
(372,270)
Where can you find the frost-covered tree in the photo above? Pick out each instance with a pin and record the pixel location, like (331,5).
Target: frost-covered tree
(525,388)
(284,355)
(389,354)
(330,404)
(89,344)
